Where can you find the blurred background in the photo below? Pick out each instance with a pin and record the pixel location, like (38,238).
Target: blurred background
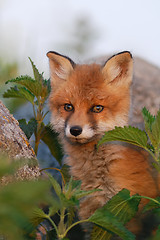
(79,29)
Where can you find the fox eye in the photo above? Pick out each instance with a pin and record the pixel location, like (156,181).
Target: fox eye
(68,107)
(97,108)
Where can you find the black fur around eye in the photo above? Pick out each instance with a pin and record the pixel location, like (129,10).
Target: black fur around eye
(97,109)
(68,107)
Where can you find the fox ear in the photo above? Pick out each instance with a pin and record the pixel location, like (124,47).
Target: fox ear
(60,68)
(119,69)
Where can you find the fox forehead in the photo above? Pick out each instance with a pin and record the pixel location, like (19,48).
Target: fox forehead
(85,84)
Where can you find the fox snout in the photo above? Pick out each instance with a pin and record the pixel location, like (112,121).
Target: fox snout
(76,130)
(79,133)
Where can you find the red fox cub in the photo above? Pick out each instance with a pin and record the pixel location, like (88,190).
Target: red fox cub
(85,102)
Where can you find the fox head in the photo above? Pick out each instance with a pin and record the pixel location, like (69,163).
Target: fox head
(88,100)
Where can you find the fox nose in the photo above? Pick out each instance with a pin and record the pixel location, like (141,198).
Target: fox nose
(76,130)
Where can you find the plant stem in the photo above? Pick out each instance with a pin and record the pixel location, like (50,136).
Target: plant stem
(59,170)
(53,224)
(151,199)
(74,224)
(61,225)
(39,119)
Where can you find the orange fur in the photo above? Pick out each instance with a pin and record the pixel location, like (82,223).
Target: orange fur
(113,166)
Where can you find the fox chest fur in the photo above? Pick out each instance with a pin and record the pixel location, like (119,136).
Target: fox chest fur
(85,102)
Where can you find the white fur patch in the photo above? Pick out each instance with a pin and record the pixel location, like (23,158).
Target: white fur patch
(110,124)
(57,123)
(87,132)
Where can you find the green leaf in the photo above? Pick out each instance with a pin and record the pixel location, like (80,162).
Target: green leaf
(156,130)
(49,137)
(33,86)
(148,118)
(108,221)
(55,185)
(38,216)
(28,128)
(128,134)
(82,193)
(17,201)
(148,121)
(45,84)
(120,209)
(72,185)
(100,234)
(68,202)
(123,206)
(71,214)
(19,92)
(65,172)
(54,208)
(152,205)
(38,77)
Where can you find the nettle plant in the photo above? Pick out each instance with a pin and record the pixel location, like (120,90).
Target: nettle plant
(112,217)
(35,90)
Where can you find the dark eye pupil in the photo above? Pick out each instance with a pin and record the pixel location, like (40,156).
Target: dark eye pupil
(68,107)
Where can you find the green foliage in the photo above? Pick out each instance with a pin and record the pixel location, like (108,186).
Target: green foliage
(118,211)
(19,212)
(64,203)
(126,134)
(20,200)
(29,127)
(35,90)
(20,92)
(49,137)
(148,140)
(140,138)
(110,218)
(154,204)
(152,127)
(17,201)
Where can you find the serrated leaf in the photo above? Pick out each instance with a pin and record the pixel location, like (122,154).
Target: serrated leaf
(49,137)
(68,202)
(38,77)
(45,84)
(55,185)
(33,86)
(148,118)
(70,215)
(100,234)
(148,121)
(38,216)
(156,130)
(122,207)
(108,221)
(54,208)
(82,193)
(28,128)
(127,134)
(19,92)
(72,185)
